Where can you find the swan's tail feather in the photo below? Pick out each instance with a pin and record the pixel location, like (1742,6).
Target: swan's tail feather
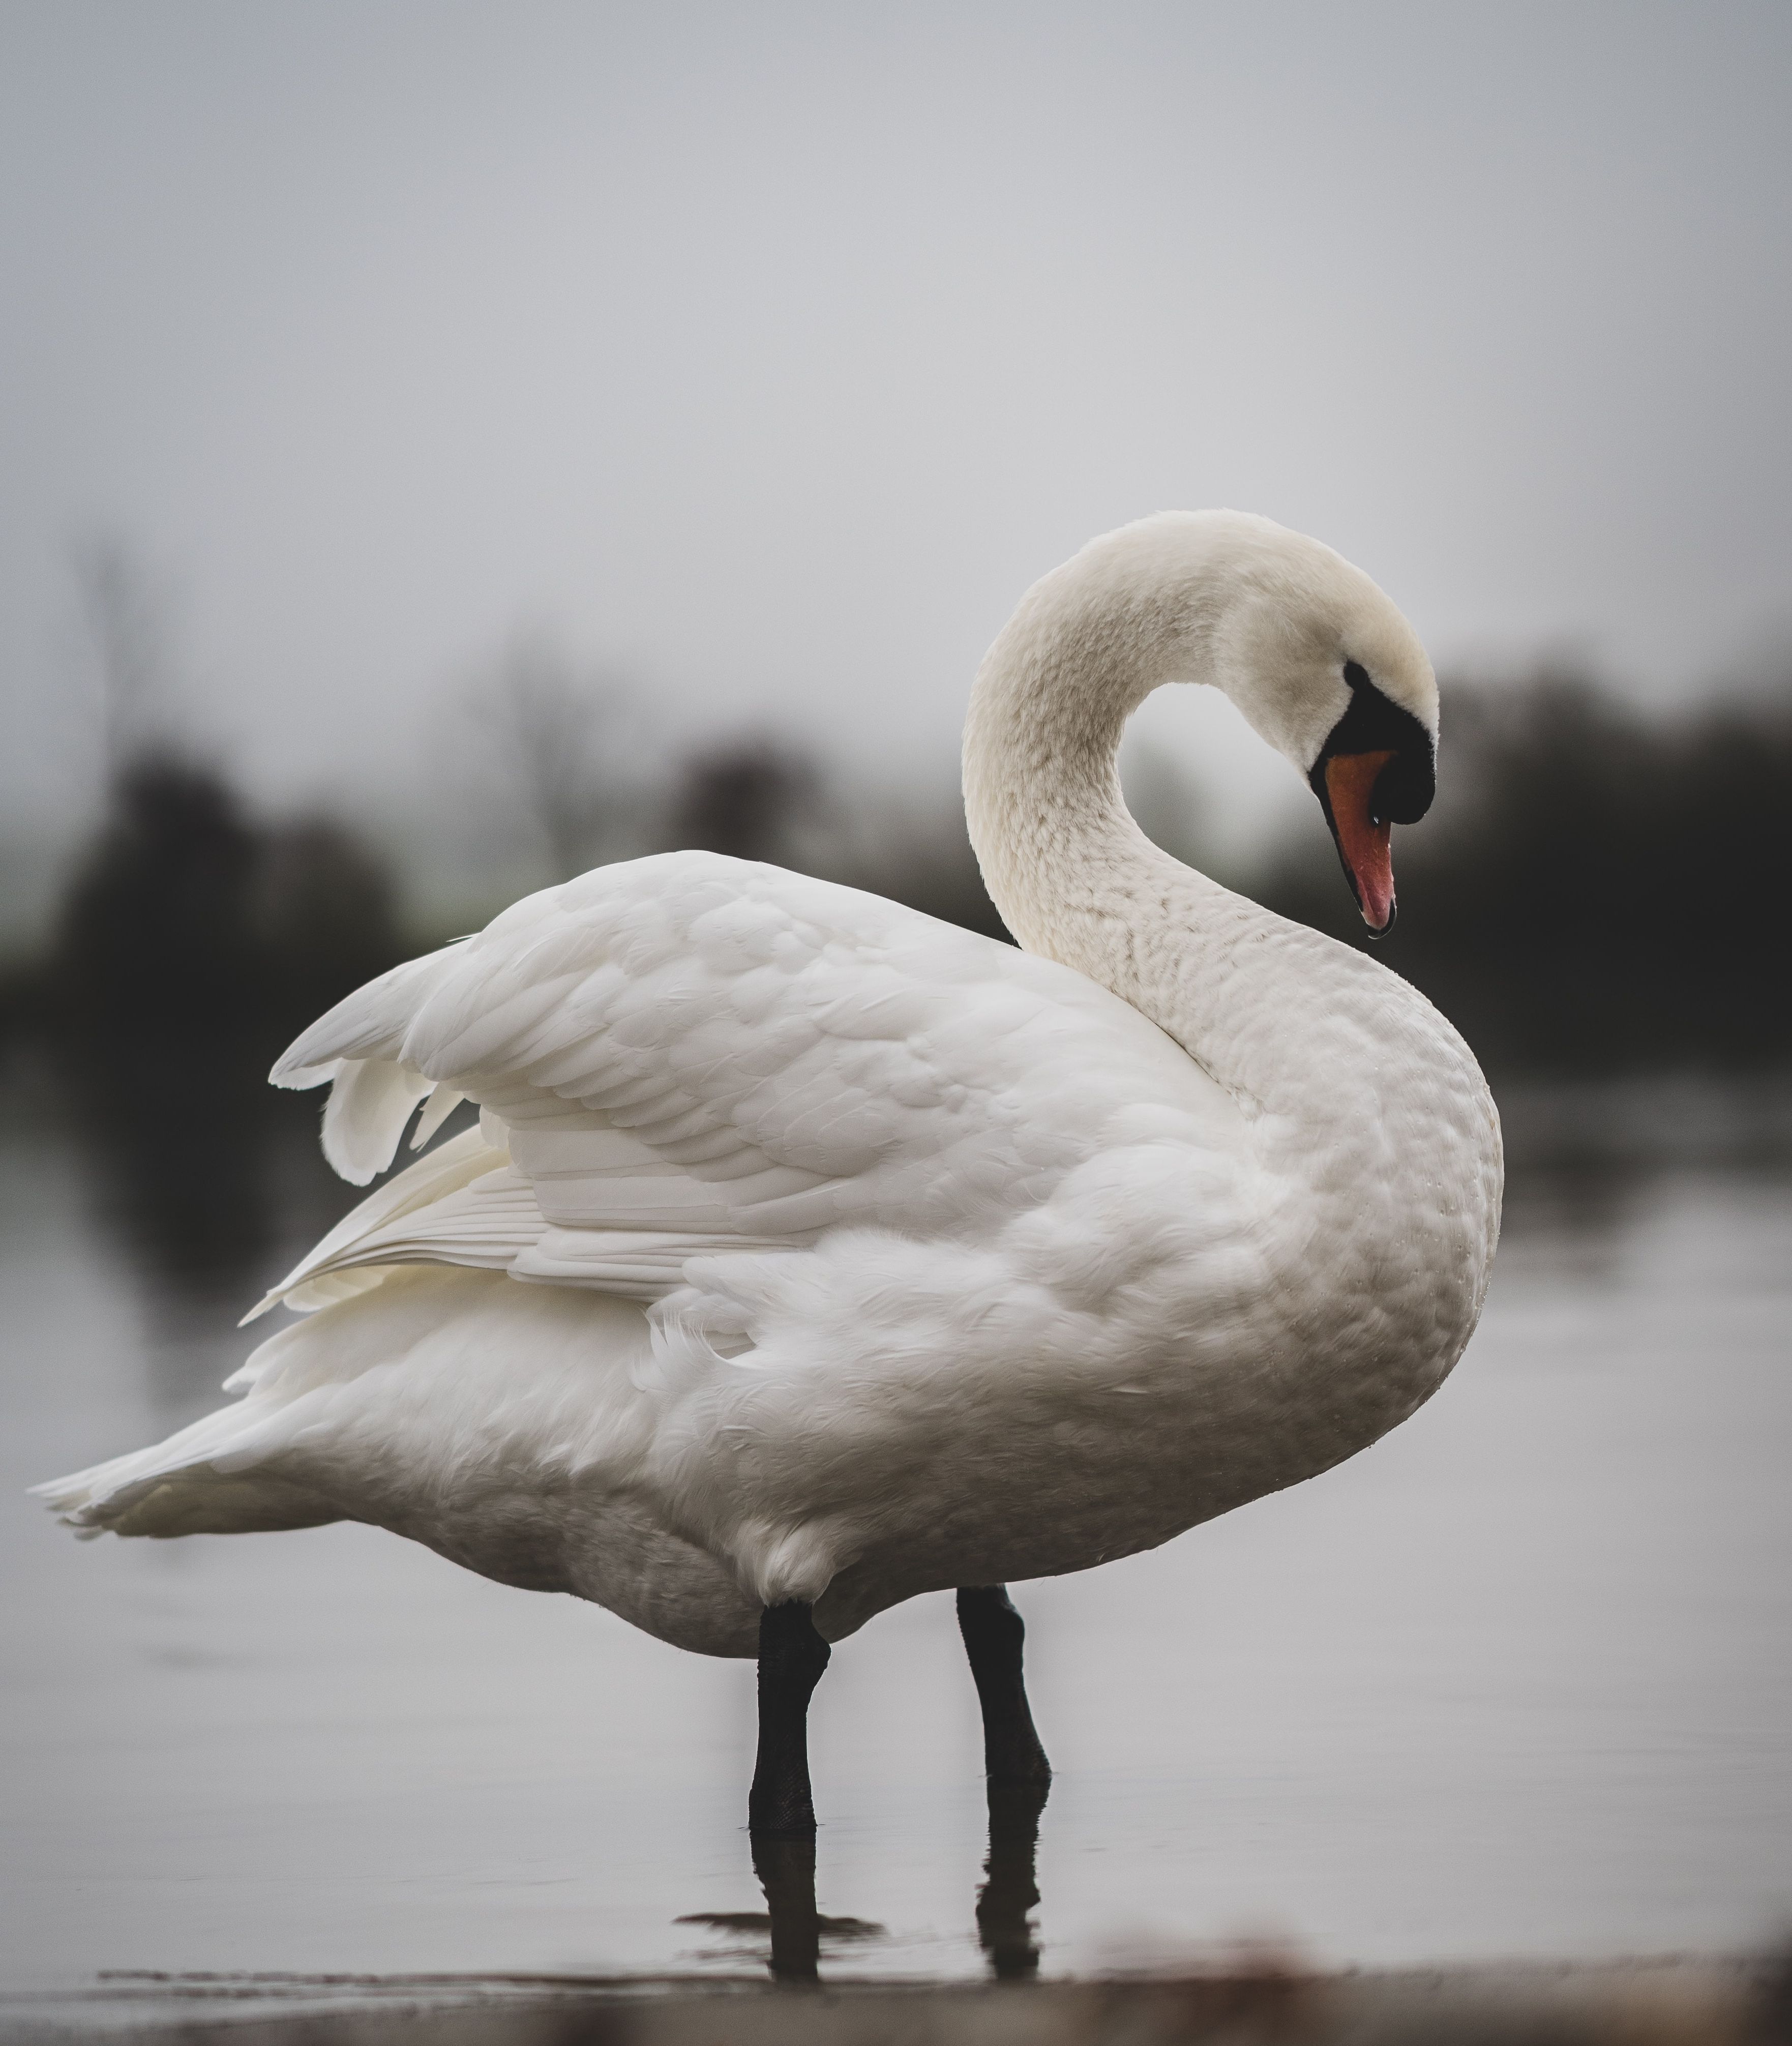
(198,1482)
(405,1408)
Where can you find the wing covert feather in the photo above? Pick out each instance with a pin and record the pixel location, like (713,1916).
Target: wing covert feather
(697,1053)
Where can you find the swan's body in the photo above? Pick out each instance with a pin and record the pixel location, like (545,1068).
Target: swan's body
(813,1250)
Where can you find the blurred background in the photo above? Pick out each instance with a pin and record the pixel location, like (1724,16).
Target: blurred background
(449,445)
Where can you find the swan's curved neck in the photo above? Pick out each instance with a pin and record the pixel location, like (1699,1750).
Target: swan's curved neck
(1060,854)
(1287,1020)
(1357,1099)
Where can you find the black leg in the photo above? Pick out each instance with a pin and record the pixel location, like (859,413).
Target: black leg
(1004,1930)
(993,1634)
(792,1657)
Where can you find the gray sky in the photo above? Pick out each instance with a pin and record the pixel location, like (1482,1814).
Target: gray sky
(766,353)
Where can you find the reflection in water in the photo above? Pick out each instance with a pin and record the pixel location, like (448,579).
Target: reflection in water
(787,1872)
(785,1868)
(1004,1930)
(797,1931)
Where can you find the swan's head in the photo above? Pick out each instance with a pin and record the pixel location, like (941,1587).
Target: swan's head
(1314,655)
(1326,670)
(1320,663)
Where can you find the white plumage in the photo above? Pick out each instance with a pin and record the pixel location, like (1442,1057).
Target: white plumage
(812,1249)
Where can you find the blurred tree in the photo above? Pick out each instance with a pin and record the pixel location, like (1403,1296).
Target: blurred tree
(155,934)
(125,618)
(562,742)
(157,931)
(325,917)
(159,991)
(751,798)
(192,943)
(918,851)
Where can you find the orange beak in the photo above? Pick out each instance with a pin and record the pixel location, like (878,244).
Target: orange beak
(1366,845)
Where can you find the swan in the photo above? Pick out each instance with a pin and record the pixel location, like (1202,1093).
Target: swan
(810,1254)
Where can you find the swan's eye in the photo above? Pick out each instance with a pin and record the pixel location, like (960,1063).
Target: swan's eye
(1356,674)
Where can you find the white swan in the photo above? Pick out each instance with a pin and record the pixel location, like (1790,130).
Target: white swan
(861,1256)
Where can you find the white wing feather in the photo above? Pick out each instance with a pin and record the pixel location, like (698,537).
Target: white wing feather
(461,1204)
(689,1054)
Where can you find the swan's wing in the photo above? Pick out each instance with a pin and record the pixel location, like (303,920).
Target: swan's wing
(461,1204)
(689,1054)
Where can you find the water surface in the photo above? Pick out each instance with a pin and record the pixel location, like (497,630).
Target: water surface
(1515,1682)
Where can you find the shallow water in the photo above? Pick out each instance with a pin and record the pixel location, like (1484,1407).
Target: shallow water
(1516,1682)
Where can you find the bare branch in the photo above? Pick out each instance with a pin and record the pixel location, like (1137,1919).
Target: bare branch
(562,742)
